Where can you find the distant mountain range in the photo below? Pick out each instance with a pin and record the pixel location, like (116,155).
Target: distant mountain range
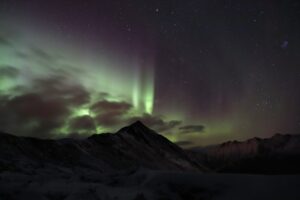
(279,154)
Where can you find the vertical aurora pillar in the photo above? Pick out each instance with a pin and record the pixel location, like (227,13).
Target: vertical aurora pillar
(143,89)
(148,89)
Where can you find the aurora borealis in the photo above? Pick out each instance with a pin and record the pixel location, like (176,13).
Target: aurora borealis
(198,72)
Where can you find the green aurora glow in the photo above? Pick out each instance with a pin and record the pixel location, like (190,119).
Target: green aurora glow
(121,79)
(231,102)
(129,80)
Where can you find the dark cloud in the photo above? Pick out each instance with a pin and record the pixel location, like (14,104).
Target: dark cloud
(109,119)
(35,106)
(31,114)
(42,110)
(105,106)
(103,95)
(59,87)
(114,114)
(8,71)
(3,100)
(82,123)
(191,129)
(110,113)
(156,122)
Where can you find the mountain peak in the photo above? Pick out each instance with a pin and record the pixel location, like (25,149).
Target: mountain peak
(133,146)
(136,128)
(138,123)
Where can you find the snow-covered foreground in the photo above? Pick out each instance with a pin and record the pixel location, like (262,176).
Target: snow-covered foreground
(145,184)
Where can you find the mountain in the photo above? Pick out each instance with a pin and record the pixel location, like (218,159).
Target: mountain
(131,147)
(279,154)
(136,164)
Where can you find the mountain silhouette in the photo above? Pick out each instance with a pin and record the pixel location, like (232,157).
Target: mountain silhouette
(137,163)
(279,154)
(131,147)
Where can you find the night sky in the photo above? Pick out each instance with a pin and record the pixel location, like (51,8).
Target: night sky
(198,72)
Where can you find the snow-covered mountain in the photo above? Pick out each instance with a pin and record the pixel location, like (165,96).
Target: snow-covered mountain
(131,147)
(136,164)
(278,154)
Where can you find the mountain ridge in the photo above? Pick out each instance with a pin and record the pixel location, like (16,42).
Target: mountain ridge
(133,146)
(275,155)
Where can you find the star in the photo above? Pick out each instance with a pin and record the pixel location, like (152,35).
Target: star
(284,44)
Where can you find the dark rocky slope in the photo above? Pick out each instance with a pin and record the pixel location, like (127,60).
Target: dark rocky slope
(131,147)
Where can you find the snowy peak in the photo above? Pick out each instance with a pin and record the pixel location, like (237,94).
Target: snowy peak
(277,154)
(279,144)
